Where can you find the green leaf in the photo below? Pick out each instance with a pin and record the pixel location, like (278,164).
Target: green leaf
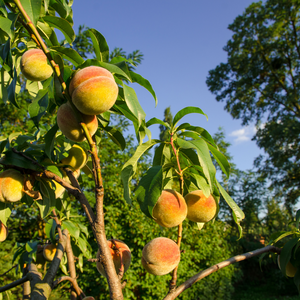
(50,139)
(47,204)
(286,253)
(5,212)
(73,229)
(238,214)
(201,183)
(133,103)
(297,218)
(282,235)
(50,228)
(157,121)
(144,83)
(33,9)
(100,45)
(69,54)
(203,156)
(11,90)
(116,136)
(39,106)
(83,246)
(221,159)
(149,189)
(47,33)
(13,159)
(63,25)
(129,167)
(185,111)
(8,24)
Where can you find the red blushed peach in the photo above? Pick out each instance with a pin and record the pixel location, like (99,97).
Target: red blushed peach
(93,90)
(170,209)
(69,126)
(34,65)
(3,232)
(160,256)
(125,252)
(200,208)
(11,186)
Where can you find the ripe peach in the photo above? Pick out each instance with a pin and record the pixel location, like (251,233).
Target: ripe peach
(126,256)
(160,256)
(93,90)
(76,159)
(170,209)
(200,208)
(34,65)
(69,125)
(3,232)
(290,270)
(11,186)
(49,252)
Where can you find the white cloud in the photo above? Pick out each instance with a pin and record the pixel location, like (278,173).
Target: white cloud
(244,134)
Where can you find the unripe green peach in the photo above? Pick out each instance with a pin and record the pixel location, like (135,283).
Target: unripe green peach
(170,209)
(49,252)
(69,126)
(93,90)
(200,208)
(126,256)
(290,270)
(76,158)
(34,65)
(3,232)
(11,186)
(160,256)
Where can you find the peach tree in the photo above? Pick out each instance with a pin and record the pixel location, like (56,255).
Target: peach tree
(46,161)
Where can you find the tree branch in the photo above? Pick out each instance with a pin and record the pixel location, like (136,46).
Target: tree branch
(176,292)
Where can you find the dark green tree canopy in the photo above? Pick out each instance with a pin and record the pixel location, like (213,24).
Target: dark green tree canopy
(260,83)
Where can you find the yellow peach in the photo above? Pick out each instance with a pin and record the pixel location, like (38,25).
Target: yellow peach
(3,232)
(290,270)
(76,158)
(160,256)
(93,90)
(34,65)
(126,256)
(11,186)
(170,209)
(49,252)
(69,126)
(200,208)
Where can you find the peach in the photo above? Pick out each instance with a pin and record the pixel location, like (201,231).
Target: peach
(3,232)
(34,65)
(290,270)
(11,186)
(88,298)
(49,252)
(126,256)
(170,209)
(200,208)
(160,256)
(76,158)
(69,126)
(93,90)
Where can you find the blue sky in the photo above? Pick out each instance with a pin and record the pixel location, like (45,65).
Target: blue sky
(181,41)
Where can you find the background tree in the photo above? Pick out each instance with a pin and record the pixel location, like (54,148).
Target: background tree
(260,83)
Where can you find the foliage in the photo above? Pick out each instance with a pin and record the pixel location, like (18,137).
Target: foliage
(260,82)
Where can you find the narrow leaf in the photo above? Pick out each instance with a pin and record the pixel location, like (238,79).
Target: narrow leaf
(69,54)
(100,45)
(185,111)
(149,189)
(33,9)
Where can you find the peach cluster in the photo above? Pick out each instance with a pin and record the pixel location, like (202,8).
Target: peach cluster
(161,255)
